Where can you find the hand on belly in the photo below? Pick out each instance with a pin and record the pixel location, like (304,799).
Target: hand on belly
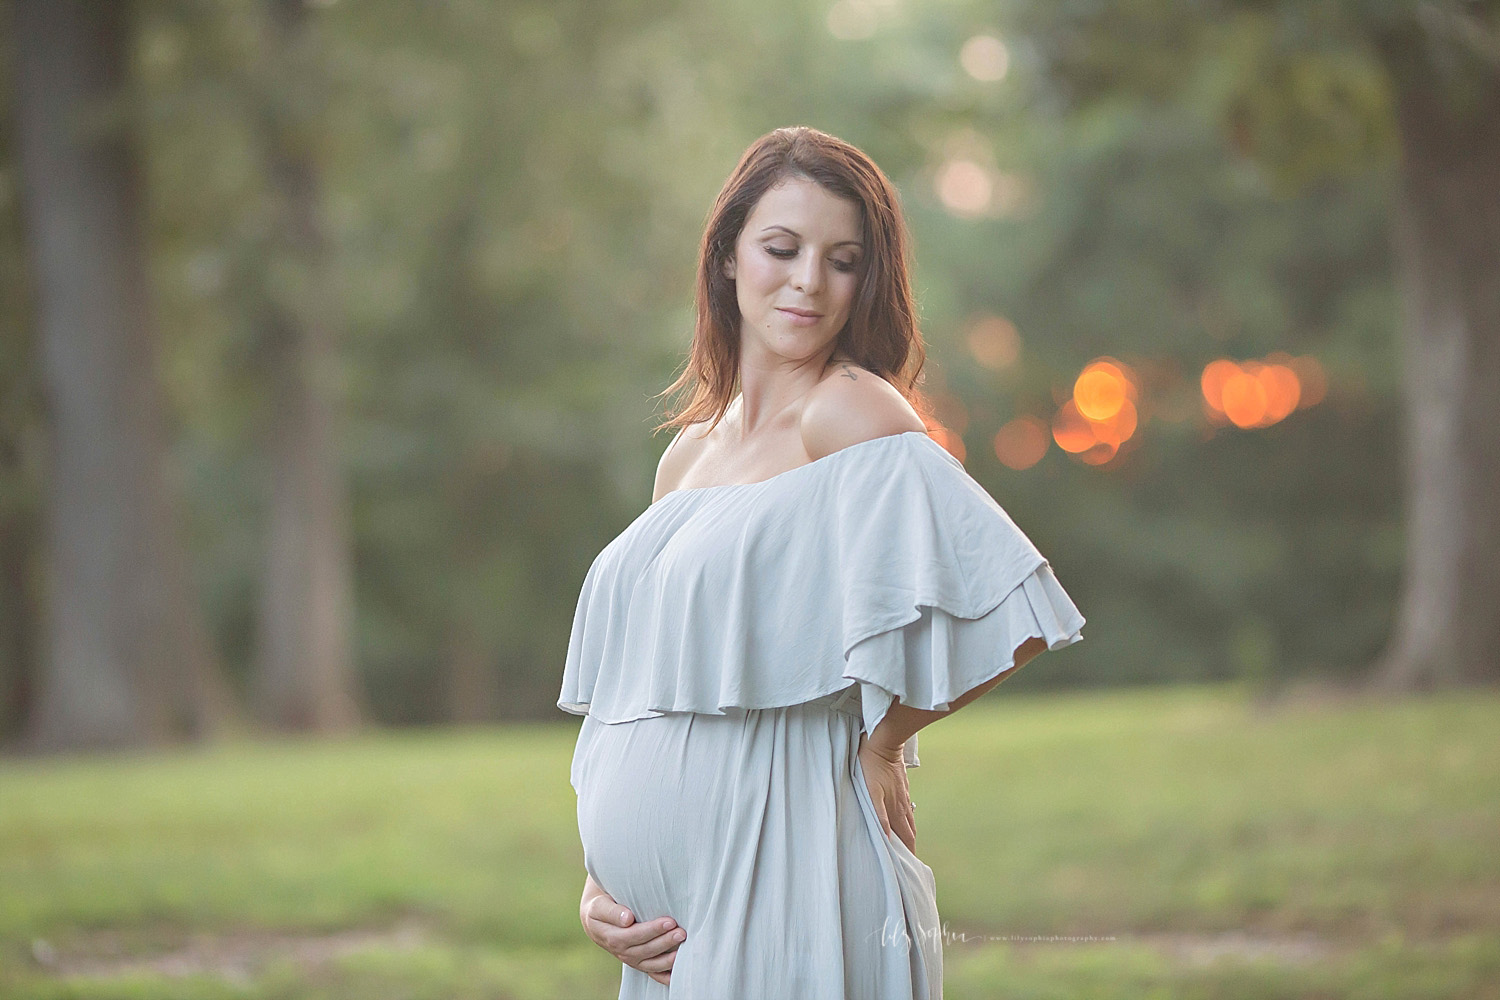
(644,824)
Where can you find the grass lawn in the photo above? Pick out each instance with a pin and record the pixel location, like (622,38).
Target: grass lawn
(1162,843)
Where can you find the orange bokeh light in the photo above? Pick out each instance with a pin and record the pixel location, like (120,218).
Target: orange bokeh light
(1282,390)
(1243,399)
(1118,428)
(1215,373)
(1095,441)
(1260,393)
(1099,392)
(1101,414)
(1098,387)
(994,342)
(1022,442)
(1098,420)
(1072,430)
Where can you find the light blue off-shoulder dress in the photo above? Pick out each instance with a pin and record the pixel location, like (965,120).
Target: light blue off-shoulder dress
(728,649)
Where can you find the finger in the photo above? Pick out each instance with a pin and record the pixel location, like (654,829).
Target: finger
(604,926)
(656,963)
(880,813)
(639,935)
(906,829)
(604,908)
(665,978)
(658,945)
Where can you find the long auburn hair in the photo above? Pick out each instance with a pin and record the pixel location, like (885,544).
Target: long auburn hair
(881,333)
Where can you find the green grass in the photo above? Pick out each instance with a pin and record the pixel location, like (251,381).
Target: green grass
(1209,848)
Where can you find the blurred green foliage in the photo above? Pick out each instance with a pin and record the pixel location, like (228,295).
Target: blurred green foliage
(515,192)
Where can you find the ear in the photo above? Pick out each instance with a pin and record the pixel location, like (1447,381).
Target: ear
(729,268)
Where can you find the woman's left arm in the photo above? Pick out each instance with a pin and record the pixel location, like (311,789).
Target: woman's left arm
(881,751)
(902,721)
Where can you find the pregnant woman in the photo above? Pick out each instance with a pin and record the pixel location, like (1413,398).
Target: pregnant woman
(815,580)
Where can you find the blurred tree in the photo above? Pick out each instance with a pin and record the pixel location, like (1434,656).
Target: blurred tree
(304,671)
(21,444)
(1313,91)
(518,249)
(508,293)
(504,202)
(127,659)
(1445,65)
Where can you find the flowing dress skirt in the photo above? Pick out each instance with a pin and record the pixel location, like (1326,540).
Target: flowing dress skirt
(755,831)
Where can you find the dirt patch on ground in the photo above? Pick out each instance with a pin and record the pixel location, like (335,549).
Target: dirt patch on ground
(239,957)
(235,957)
(1185,948)
(1205,949)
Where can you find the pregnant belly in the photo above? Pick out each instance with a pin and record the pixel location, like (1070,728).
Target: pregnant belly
(651,809)
(748,829)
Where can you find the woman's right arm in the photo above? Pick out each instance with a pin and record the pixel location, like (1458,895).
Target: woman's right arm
(650,947)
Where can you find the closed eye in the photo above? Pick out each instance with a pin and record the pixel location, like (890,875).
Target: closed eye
(843,266)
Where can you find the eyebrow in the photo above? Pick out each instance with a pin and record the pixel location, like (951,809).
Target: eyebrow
(784,229)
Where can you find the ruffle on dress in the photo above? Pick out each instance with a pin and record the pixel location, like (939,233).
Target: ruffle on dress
(883,564)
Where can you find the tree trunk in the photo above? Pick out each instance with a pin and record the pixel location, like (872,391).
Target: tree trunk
(126,657)
(304,676)
(1447,249)
(18,606)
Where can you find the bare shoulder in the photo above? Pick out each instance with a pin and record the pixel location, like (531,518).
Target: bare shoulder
(676,459)
(852,404)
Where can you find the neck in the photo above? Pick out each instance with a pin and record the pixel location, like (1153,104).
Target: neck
(770,386)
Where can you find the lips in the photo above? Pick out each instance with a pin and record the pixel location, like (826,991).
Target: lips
(805,313)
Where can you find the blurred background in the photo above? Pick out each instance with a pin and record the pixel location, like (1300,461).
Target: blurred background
(331,333)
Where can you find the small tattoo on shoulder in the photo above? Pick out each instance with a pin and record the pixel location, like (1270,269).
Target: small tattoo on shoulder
(850,373)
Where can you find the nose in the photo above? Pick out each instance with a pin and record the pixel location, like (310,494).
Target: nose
(807,276)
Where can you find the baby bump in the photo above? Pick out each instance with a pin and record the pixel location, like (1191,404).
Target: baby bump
(753,830)
(649,811)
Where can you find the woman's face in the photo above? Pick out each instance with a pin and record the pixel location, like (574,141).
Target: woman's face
(796,266)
